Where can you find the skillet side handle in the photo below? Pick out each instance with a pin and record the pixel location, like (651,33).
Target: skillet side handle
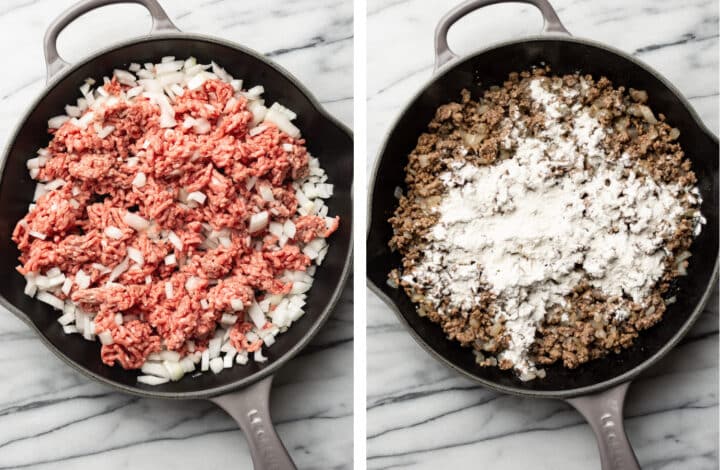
(443,53)
(604,413)
(54,63)
(250,409)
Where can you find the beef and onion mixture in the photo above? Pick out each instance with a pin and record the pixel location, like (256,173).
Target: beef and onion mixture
(177,219)
(545,221)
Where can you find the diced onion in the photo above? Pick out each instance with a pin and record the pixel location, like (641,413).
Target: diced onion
(113,232)
(152,380)
(118,270)
(105,337)
(175,370)
(169,290)
(257,315)
(258,221)
(197,196)
(39,235)
(57,121)
(135,255)
(82,279)
(282,122)
(136,221)
(139,180)
(50,299)
(201,126)
(265,192)
(216,365)
(155,368)
(258,356)
(299,287)
(205,360)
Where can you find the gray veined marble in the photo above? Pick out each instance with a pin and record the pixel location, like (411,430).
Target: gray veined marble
(423,415)
(53,418)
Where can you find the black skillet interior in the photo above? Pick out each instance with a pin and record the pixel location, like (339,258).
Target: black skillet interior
(327,141)
(491,68)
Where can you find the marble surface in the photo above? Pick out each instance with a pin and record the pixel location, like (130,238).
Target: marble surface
(53,418)
(421,414)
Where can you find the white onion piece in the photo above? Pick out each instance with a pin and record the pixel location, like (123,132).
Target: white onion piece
(282,122)
(113,232)
(214,346)
(36,234)
(221,73)
(55,184)
(151,380)
(289,228)
(169,66)
(118,270)
(228,319)
(266,192)
(300,287)
(82,279)
(139,180)
(136,221)
(56,122)
(258,221)
(255,92)
(197,196)
(175,240)
(288,113)
(155,368)
(237,304)
(258,111)
(201,126)
(40,191)
(125,77)
(169,290)
(258,356)
(216,365)
(50,299)
(257,315)
(205,360)
(135,255)
(105,337)
(73,111)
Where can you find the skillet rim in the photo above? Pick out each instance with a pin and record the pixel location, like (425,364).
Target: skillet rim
(330,304)
(514,390)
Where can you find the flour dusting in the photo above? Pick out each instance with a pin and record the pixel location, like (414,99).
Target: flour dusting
(531,227)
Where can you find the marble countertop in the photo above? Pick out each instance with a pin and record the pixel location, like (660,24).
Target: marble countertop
(423,415)
(54,418)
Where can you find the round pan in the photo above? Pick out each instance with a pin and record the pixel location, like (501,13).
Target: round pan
(598,387)
(327,139)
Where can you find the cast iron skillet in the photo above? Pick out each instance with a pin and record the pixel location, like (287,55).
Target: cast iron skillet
(597,389)
(241,391)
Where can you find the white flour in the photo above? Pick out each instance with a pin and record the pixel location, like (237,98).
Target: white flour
(529,236)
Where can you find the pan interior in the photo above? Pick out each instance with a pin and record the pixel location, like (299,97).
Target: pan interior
(326,140)
(491,67)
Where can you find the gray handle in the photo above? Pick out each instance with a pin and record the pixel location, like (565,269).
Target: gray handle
(250,409)
(443,54)
(604,412)
(54,63)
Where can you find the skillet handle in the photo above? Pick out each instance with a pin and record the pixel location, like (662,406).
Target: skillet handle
(443,54)
(54,63)
(250,409)
(604,412)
